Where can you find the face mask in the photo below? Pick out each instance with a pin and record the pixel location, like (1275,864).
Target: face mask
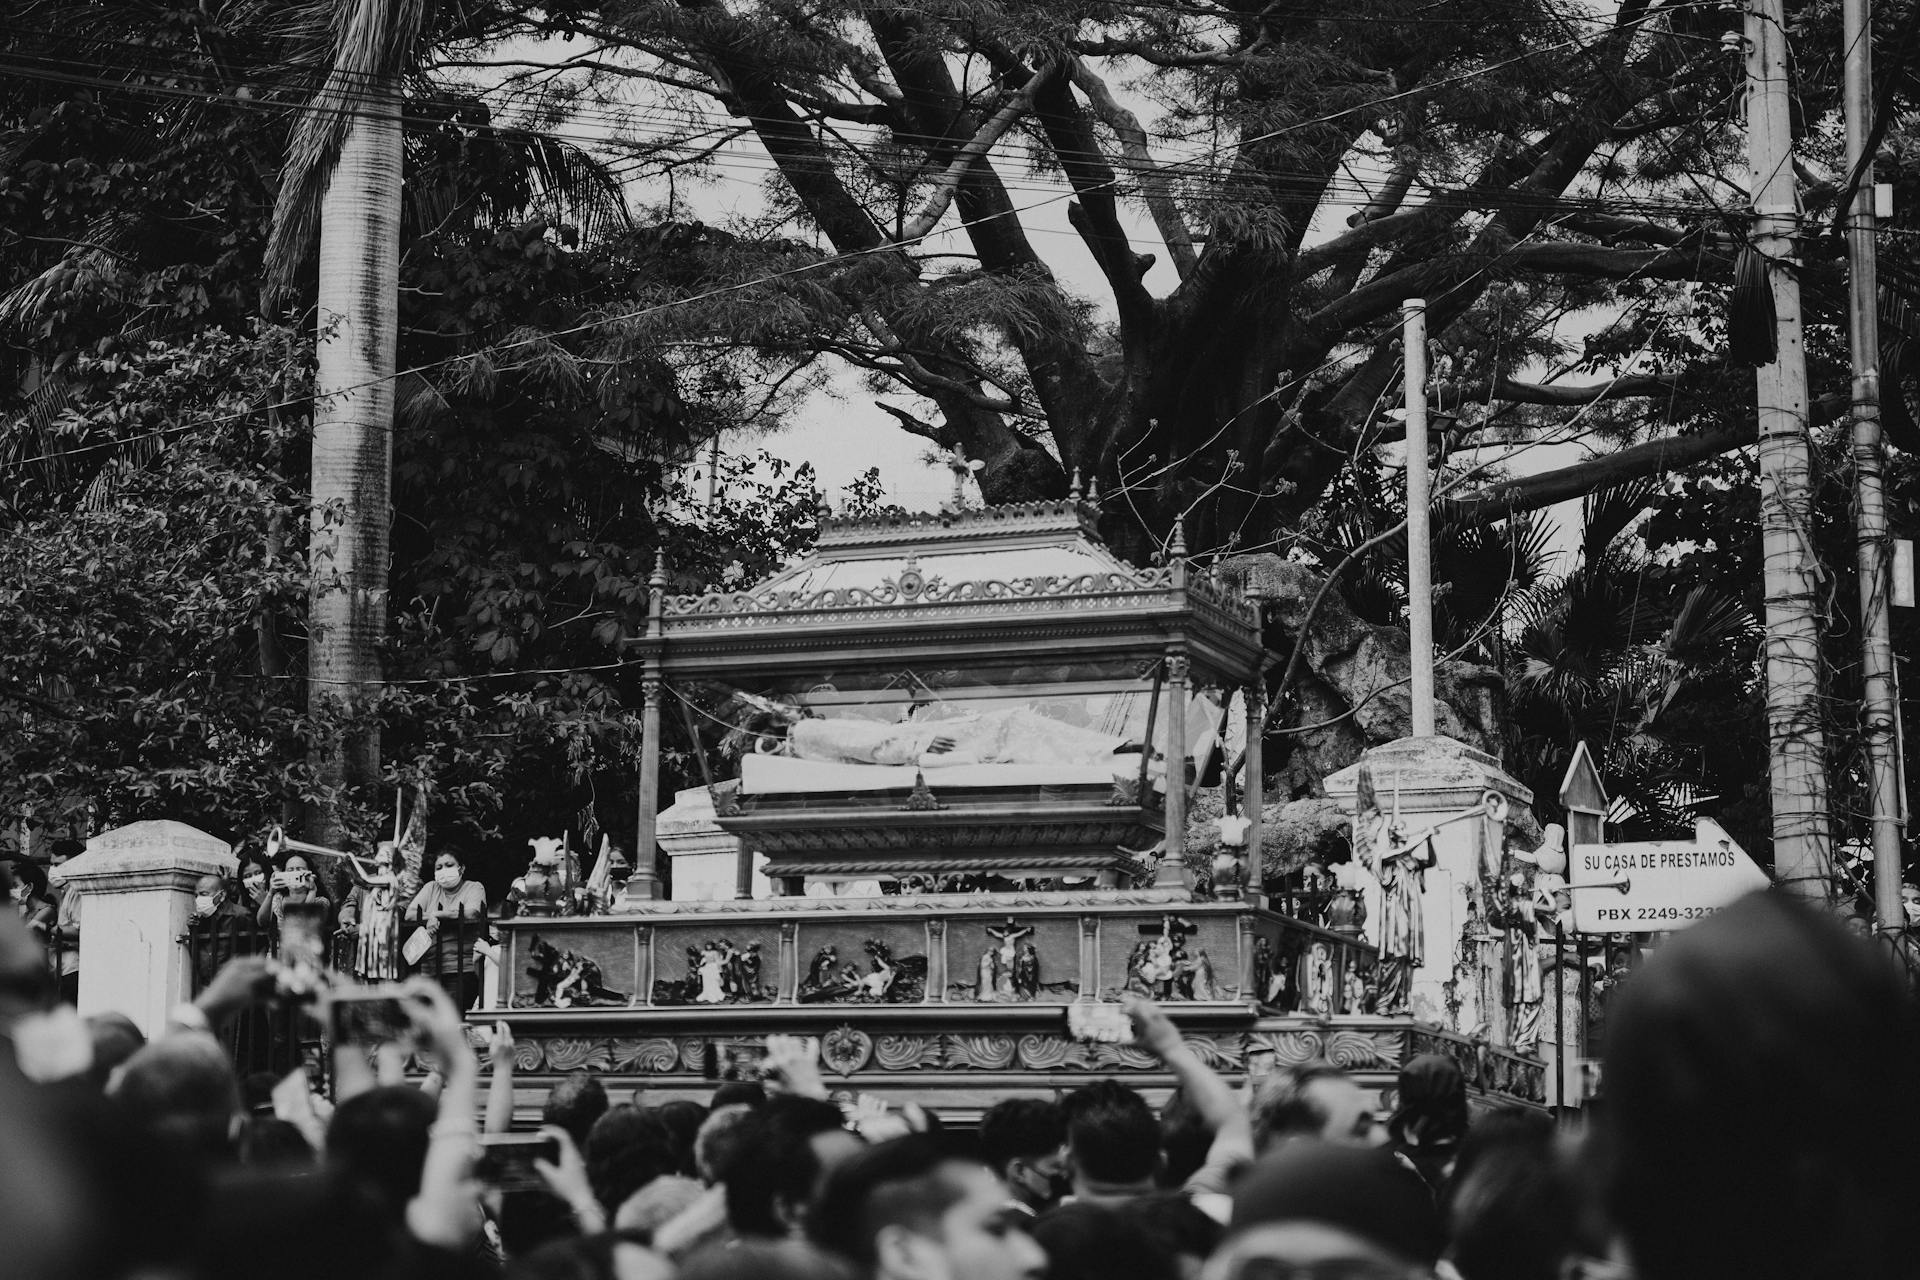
(448,878)
(255,884)
(204,904)
(20,892)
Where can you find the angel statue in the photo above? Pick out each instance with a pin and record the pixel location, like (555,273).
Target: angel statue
(1400,871)
(930,736)
(371,914)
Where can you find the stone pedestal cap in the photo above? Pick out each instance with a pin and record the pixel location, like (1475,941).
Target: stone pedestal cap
(146,855)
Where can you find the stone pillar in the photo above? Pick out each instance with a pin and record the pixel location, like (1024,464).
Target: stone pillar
(1438,778)
(706,860)
(136,893)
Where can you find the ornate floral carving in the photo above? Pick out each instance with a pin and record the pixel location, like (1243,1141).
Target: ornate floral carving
(921,799)
(1049,1053)
(845,1049)
(656,1056)
(904,1053)
(1351,1050)
(1126,1056)
(1221,1055)
(527,1055)
(576,1055)
(982,1053)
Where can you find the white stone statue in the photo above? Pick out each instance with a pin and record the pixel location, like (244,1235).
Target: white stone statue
(932,737)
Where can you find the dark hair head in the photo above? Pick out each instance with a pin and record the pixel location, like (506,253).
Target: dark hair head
(67,847)
(378,1139)
(1185,1137)
(287,1224)
(1362,1190)
(1509,1211)
(718,1141)
(1430,1106)
(904,1182)
(182,1088)
(749,1092)
(32,874)
(532,1218)
(626,1149)
(1095,1242)
(116,1038)
(1111,1134)
(285,856)
(574,1104)
(683,1121)
(1019,1127)
(1760,1106)
(268,1142)
(1178,1224)
(774,1161)
(766,1260)
(1283,1105)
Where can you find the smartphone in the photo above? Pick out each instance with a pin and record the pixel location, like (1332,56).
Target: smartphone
(506,1160)
(368,1015)
(1099,1021)
(302,941)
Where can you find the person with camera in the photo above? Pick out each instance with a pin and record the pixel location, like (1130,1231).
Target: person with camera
(293,881)
(451,911)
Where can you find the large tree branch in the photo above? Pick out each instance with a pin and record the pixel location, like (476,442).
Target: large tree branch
(1635,462)
(1566,257)
(1549,393)
(1531,493)
(1154,188)
(948,184)
(1095,215)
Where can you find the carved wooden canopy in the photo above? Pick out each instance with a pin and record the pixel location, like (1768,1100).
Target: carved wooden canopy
(959,587)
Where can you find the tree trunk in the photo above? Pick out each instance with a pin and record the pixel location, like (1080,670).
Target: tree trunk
(353,451)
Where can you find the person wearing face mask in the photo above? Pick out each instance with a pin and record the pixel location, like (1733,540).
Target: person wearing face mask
(453,911)
(293,880)
(371,917)
(221,927)
(32,897)
(254,873)
(1025,1143)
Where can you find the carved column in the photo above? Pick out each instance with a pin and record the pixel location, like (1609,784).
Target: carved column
(642,964)
(1254,797)
(1089,957)
(789,961)
(645,884)
(1173,861)
(936,992)
(1248,985)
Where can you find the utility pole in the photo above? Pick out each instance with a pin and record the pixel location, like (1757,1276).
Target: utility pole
(1413,316)
(1796,740)
(1879,708)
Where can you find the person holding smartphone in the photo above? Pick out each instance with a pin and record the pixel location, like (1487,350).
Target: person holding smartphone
(293,880)
(453,911)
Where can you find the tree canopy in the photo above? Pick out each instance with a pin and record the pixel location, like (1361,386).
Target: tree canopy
(635,225)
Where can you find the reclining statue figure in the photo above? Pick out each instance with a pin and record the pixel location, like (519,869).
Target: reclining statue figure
(931,739)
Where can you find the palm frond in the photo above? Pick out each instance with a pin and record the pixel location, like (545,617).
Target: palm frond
(371,43)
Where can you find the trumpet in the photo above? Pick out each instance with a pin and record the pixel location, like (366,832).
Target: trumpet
(278,842)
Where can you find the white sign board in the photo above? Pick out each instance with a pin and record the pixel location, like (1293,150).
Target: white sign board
(1657,885)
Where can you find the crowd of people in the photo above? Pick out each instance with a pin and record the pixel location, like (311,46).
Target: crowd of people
(1759,1122)
(364,935)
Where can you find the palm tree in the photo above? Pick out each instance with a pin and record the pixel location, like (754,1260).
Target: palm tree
(344,174)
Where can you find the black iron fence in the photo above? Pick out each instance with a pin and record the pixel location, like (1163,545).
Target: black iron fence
(278,1036)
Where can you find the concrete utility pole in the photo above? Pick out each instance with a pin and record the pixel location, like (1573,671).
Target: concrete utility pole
(1879,711)
(1413,315)
(1802,834)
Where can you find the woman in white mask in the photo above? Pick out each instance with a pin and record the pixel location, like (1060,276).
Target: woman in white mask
(452,910)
